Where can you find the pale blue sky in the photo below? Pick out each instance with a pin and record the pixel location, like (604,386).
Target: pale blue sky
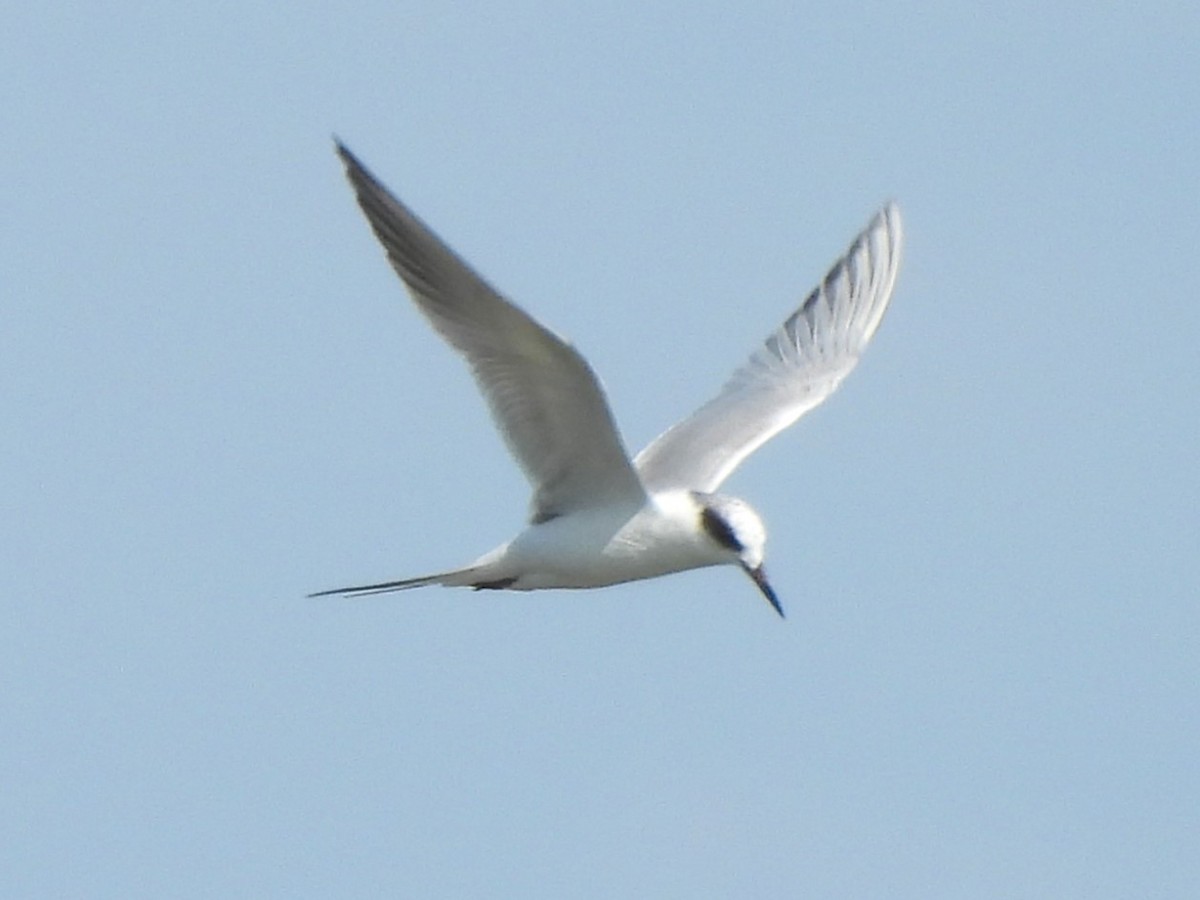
(216,398)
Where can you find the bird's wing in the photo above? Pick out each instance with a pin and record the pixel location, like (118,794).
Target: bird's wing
(795,370)
(545,399)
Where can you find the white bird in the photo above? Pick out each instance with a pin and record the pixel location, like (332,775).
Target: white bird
(599,518)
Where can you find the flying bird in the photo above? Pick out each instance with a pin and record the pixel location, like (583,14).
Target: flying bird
(599,517)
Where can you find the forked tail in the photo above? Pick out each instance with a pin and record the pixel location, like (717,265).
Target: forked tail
(384,587)
(472,576)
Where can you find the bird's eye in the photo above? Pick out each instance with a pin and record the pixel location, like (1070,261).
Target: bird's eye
(718,529)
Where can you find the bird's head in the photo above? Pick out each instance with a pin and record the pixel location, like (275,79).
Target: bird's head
(735,527)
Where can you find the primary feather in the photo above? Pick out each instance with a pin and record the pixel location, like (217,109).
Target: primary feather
(798,366)
(544,397)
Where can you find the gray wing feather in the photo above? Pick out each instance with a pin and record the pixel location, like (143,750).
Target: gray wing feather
(797,367)
(547,402)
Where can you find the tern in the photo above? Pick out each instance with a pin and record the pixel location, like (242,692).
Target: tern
(599,517)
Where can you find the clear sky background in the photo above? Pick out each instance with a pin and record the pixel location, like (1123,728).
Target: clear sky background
(216,398)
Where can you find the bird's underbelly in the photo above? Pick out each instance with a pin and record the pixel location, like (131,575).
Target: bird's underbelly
(565,560)
(590,575)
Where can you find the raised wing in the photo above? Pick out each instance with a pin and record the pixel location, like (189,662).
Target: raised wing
(544,397)
(795,370)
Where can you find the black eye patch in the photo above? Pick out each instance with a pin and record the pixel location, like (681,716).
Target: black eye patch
(718,529)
